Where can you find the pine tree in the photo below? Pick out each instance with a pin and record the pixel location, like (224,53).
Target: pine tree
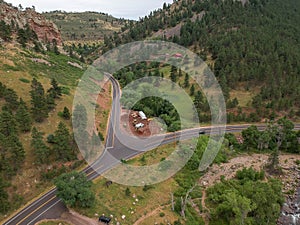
(40,149)
(55,90)
(8,124)
(186,81)
(173,74)
(192,90)
(11,98)
(62,143)
(50,101)
(5,205)
(23,117)
(66,114)
(38,101)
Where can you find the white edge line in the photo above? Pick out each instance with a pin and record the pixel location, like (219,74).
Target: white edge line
(44,211)
(29,206)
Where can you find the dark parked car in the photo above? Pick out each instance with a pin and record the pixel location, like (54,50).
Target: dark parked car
(201,131)
(104,219)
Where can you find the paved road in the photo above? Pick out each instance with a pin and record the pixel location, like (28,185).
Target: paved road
(49,206)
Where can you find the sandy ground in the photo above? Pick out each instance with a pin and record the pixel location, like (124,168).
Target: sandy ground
(77,219)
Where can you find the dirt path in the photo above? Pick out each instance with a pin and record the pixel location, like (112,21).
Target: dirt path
(152,213)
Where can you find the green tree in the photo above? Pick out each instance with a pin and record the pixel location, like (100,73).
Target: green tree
(5,31)
(251,136)
(173,74)
(75,189)
(23,117)
(11,98)
(50,101)
(8,124)
(40,149)
(66,113)
(5,204)
(186,80)
(38,101)
(192,90)
(55,90)
(63,143)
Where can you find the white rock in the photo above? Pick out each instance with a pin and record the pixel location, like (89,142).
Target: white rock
(123,217)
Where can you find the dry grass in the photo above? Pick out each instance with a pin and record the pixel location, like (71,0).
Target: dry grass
(113,201)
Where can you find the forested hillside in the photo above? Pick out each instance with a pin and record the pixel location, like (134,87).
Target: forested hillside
(36,85)
(252,48)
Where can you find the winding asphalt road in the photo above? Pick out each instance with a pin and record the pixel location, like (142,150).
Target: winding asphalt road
(48,206)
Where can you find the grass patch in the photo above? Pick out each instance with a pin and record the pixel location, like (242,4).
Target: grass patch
(24,80)
(114,201)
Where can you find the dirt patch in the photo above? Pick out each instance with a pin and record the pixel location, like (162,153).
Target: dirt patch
(131,119)
(103,106)
(77,219)
(257,161)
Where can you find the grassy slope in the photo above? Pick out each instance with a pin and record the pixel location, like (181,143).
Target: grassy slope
(16,64)
(86,25)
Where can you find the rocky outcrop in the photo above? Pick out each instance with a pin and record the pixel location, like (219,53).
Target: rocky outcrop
(46,30)
(290,212)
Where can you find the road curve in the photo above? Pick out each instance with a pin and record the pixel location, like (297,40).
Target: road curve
(48,206)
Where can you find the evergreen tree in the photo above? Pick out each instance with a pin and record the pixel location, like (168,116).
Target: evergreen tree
(66,114)
(192,90)
(5,31)
(50,101)
(11,98)
(5,204)
(23,117)
(40,149)
(63,143)
(186,81)
(55,90)
(173,74)
(8,124)
(38,101)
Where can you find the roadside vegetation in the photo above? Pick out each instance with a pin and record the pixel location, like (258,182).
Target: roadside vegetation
(179,200)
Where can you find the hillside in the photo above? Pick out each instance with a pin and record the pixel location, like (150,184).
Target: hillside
(85,26)
(37,84)
(252,47)
(19,18)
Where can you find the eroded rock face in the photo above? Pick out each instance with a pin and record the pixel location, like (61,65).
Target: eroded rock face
(290,212)
(46,30)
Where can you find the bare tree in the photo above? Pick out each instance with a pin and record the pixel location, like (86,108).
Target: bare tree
(185,200)
(172,201)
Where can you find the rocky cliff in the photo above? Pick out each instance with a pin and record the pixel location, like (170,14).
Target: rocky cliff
(46,30)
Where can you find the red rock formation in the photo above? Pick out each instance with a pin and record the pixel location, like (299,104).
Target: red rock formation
(45,29)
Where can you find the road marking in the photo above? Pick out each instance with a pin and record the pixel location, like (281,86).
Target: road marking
(36,209)
(30,206)
(44,211)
